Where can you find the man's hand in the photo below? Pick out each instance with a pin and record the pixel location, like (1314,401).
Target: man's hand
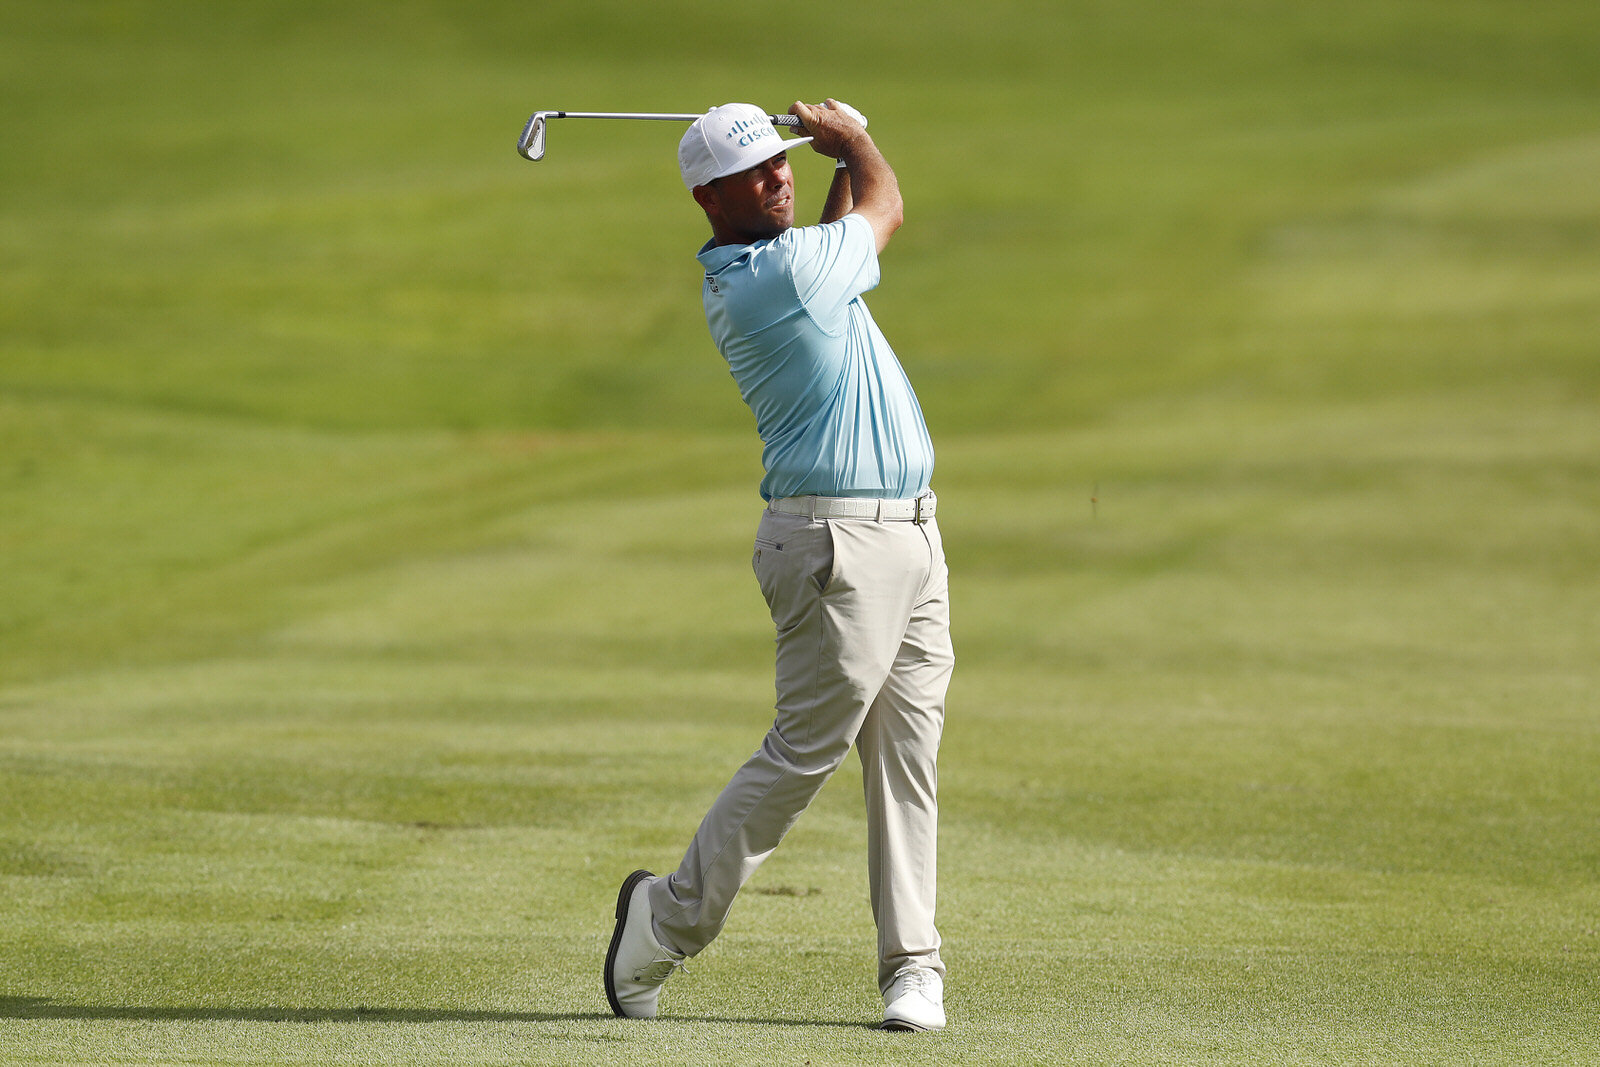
(832,125)
(840,105)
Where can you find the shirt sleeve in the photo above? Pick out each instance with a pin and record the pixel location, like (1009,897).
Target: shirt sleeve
(831,265)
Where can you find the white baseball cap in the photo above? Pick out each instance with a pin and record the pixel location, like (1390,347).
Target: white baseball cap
(726,140)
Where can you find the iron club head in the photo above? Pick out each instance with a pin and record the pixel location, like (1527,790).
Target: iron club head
(531,144)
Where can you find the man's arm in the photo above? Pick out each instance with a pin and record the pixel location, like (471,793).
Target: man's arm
(867,186)
(839,201)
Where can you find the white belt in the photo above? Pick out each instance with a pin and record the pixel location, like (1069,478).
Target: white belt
(920,509)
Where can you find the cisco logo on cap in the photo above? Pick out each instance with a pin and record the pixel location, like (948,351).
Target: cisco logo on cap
(748,133)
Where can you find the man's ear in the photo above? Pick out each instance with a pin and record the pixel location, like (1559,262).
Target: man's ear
(706,197)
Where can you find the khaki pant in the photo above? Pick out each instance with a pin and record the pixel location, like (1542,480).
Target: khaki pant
(863,657)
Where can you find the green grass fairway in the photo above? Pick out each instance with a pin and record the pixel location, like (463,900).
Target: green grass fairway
(375,517)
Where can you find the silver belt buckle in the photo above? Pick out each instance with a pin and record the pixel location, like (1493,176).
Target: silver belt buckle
(916,516)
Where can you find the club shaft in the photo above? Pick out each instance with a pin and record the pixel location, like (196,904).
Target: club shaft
(777,120)
(531,144)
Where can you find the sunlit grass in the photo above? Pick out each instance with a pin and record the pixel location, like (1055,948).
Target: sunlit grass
(374,520)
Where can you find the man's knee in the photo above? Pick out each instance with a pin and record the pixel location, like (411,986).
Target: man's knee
(808,764)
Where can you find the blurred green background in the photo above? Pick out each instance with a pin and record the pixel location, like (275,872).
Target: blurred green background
(374,511)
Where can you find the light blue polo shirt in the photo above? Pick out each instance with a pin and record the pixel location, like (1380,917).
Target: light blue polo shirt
(834,408)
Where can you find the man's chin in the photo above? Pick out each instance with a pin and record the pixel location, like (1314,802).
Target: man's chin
(775,228)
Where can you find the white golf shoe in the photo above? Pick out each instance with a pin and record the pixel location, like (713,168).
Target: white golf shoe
(914,1002)
(636,963)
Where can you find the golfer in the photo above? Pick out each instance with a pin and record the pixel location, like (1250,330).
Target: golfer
(847,553)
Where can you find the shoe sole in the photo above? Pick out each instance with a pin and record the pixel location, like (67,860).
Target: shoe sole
(624,898)
(903,1027)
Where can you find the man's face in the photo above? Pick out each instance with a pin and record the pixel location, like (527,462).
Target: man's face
(758,203)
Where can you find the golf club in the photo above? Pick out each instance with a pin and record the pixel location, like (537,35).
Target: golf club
(531,144)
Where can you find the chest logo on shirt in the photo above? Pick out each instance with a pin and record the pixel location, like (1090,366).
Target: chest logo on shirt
(711,283)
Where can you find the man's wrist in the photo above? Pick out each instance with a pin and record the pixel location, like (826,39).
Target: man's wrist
(855,147)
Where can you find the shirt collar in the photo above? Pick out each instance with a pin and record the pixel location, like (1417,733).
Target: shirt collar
(713,257)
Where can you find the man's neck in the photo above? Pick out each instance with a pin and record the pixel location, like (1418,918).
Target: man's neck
(722,236)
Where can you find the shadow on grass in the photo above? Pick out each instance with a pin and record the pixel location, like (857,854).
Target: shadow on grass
(45,1008)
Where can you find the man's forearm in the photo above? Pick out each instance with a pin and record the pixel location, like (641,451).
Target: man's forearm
(874,190)
(840,200)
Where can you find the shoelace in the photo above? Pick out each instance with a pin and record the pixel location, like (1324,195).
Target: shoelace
(660,969)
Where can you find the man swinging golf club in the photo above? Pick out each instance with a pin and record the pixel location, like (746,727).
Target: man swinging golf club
(848,556)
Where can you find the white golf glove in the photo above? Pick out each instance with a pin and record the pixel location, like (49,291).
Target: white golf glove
(840,105)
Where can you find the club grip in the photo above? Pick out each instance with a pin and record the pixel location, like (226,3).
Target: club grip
(785,120)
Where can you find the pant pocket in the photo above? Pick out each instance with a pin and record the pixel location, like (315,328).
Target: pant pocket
(825,560)
(793,568)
